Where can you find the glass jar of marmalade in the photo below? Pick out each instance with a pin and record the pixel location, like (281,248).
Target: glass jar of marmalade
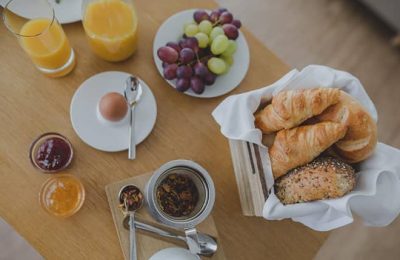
(62,195)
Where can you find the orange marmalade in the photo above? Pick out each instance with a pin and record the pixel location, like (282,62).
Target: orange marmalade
(62,195)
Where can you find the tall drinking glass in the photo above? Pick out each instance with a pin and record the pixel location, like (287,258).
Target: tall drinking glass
(40,35)
(111,28)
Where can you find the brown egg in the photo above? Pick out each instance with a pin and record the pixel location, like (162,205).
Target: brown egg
(113,106)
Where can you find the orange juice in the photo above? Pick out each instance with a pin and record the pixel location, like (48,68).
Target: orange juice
(46,44)
(111,27)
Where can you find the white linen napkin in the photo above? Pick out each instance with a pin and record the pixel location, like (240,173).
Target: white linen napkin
(376,198)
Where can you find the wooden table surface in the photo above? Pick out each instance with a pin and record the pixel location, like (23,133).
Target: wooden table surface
(31,104)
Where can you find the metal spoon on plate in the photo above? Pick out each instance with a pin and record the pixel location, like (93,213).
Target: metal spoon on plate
(131,199)
(133,92)
(207,244)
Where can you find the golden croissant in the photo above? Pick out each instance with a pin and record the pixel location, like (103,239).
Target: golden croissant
(290,108)
(300,145)
(361,137)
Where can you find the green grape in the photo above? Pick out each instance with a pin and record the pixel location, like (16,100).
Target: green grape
(215,32)
(219,44)
(231,48)
(205,26)
(187,24)
(228,59)
(216,65)
(191,29)
(202,38)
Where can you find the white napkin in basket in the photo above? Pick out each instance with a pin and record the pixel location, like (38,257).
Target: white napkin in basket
(376,198)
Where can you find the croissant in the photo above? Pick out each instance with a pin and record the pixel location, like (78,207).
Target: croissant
(291,108)
(361,137)
(301,145)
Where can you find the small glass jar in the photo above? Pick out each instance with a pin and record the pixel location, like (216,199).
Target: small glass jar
(60,158)
(62,195)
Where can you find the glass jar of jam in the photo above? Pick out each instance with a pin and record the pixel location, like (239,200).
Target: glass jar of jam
(51,152)
(62,195)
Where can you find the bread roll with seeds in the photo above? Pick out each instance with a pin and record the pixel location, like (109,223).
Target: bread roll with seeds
(323,178)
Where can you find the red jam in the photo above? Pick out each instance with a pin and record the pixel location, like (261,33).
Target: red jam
(53,154)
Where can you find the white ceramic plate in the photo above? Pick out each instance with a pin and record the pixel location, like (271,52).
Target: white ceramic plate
(67,11)
(175,253)
(105,136)
(172,30)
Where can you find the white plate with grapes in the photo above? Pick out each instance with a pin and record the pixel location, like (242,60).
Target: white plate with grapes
(201,52)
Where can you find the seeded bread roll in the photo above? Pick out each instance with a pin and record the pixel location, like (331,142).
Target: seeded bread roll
(323,178)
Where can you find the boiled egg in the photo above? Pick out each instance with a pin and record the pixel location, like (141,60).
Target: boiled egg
(113,106)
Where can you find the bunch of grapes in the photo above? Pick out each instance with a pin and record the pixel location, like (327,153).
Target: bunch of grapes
(205,50)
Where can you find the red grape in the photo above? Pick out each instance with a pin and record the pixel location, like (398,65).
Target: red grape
(192,43)
(221,10)
(210,78)
(170,71)
(184,71)
(189,42)
(204,52)
(237,23)
(200,15)
(200,70)
(186,55)
(225,17)
(197,85)
(167,54)
(174,46)
(205,59)
(164,64)
(214,16)
(182,84)
(182,43)
(230,31)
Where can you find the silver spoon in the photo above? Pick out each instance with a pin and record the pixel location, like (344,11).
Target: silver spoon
(133,92)
(132,199)
(207,244)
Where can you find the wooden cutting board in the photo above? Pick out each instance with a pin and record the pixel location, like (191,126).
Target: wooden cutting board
(147,244)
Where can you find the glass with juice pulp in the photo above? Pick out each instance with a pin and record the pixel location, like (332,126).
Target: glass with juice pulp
(40,35)
(111,28)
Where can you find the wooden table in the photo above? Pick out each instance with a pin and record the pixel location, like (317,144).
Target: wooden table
(31,104)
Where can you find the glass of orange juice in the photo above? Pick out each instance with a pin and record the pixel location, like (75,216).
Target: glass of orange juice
(111,28)
(34,24)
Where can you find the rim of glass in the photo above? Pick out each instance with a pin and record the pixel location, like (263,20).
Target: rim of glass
(53,18)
